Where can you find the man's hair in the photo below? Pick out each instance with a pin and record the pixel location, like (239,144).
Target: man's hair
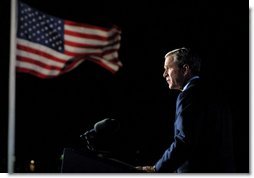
(184,56)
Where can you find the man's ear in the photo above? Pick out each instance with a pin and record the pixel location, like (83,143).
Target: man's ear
(186,69)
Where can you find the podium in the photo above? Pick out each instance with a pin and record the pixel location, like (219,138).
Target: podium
(76,161)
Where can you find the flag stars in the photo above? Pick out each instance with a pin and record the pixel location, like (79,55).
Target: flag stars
(40,28)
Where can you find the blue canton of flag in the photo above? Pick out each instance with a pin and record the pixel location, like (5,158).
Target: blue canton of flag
(40,28)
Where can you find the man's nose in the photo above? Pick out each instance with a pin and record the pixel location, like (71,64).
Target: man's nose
(164,74)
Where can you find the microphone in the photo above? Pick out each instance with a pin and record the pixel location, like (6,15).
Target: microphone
(105,127)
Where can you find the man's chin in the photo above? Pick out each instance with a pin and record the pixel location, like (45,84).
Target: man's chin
(172,87)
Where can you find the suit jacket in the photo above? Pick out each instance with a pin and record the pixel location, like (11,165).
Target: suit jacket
(202,134)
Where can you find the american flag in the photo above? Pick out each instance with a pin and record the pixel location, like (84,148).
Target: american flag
(48,46)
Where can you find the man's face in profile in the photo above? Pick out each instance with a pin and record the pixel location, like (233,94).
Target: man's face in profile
(173,74)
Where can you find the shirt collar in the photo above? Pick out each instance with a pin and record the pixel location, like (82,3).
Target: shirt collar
(192,78)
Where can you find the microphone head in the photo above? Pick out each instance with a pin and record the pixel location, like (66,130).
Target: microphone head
(106,126)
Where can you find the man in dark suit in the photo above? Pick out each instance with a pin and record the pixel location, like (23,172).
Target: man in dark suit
(202,129)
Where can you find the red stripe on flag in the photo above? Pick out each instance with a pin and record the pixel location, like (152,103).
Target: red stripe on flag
(100,54)
(38,63)
(40,53)
(109,51)
(33,72)
(72,65)
(77,55)
(90,46)
(102,65)
(86,25)
(82,35)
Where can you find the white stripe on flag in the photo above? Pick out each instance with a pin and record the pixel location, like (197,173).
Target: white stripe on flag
(43,48)
(89,50)
(39,58)
(37,68)
(111,65)
(87,40)
(90,31)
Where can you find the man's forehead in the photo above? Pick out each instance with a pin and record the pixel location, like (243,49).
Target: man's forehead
(169,60)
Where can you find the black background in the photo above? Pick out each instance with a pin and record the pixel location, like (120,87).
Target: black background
(52,113)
